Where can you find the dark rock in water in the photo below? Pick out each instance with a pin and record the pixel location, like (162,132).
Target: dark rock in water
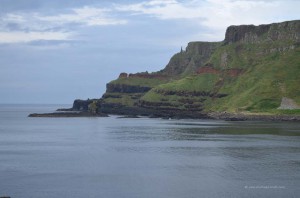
(65,109)
(4,197)
(68,114)
(129,116)
(235,119)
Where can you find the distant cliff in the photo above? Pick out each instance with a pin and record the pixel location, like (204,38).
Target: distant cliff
(287,31)
(253,70)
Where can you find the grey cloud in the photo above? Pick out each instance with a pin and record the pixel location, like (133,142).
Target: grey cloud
(30,26)
(51,5)
(12,26)
(50,42)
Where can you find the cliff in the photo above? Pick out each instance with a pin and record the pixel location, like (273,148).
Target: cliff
(288,31)
(251,71)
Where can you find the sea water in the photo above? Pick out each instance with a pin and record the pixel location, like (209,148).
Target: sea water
(112,157)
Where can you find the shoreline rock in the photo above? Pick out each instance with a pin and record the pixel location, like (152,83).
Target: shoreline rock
(103,110)
(65,109)
(184,115)
(67,114)
(128,116)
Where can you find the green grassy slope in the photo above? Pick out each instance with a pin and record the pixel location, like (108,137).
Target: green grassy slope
(263,85)
(271,71)
(203,82)
(185,88)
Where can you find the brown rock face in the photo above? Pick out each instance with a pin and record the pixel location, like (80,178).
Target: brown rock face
(207,70)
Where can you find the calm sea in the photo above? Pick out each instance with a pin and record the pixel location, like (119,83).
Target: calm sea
(141,158)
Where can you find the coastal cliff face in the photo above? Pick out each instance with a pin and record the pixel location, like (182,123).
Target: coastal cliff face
(286,31)
(188,61)
(250,71)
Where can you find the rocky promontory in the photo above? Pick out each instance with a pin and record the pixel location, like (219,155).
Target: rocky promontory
(80,108)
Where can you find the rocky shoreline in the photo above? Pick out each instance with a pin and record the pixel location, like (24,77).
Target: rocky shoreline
(67,114)
(136,113)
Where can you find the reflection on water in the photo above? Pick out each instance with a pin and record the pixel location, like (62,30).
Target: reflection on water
(109,157)
(240,128)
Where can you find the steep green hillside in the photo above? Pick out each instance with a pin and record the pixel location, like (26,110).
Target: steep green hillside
(259,88)
(263,84)
(269,69)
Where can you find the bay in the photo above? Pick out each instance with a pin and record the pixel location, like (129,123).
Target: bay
(112,157)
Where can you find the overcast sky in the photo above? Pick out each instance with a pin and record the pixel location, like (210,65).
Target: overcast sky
(54,51)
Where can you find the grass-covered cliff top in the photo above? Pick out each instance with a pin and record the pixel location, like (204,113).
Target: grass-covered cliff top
(139,81)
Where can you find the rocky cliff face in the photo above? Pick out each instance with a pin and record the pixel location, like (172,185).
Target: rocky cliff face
(286,31)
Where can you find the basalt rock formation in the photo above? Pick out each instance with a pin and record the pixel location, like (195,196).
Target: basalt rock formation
(286,31)
(249,72)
